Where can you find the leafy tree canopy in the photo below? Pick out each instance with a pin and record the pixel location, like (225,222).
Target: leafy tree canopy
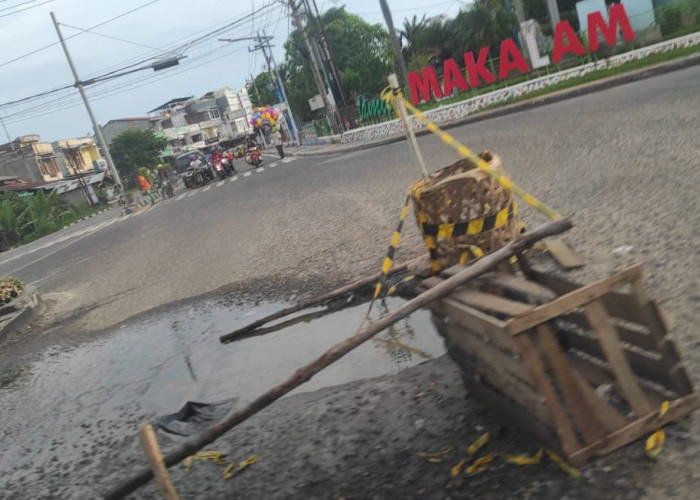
(136,148)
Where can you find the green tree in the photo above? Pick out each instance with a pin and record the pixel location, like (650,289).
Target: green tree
(428,41)
(362,54)
(485,24)
(136,148)
(262,91)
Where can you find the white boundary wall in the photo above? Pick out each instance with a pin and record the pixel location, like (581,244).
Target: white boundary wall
(452,112)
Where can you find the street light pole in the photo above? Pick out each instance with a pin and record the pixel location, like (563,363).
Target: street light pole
(96,126)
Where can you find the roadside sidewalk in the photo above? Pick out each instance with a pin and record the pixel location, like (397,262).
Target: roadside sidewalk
(589,88)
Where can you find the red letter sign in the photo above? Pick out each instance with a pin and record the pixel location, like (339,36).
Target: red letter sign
(560,47)
(511,59)
(424,85)
(618,17)
(453,77)
(476,69)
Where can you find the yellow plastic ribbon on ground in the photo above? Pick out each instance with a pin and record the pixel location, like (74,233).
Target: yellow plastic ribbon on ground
(524,459)
(229,472)
(219,458)
(479,464)
(478,443)
(438,457)
(563,465)
(454,471)
(655,442)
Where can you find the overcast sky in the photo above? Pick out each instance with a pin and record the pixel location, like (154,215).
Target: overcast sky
(156,25)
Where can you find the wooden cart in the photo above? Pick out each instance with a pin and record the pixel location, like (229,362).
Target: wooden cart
(583,368)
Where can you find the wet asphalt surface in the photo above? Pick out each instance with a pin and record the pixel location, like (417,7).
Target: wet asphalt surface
(623,163)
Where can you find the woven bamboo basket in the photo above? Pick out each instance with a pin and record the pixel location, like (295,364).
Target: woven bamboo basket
(463,213)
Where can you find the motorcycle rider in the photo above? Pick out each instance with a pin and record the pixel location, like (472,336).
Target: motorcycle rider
(195,162)
(229,157)
(164,181)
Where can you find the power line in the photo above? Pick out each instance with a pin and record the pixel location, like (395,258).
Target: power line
(110,92)
(26,8)
(60,102)
(17,5)
(77,34)
(112,37)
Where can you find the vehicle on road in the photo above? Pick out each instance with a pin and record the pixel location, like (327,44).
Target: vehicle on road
(197,171)
(166,188)
(253,157)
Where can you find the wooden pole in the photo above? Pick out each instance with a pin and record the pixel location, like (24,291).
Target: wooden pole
(150,448)
(313,301)
(339,350)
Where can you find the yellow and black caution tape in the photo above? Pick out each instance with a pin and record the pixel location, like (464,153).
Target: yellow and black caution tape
(390,95)
(655,442)
(472,227)
(433,232)
(391,252)
(219,458)
(388,260)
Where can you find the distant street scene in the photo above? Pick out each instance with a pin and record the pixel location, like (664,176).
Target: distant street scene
(204,221)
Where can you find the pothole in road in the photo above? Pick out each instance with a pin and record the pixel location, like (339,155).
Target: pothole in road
(103,390)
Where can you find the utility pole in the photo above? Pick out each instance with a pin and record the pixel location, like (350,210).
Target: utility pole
(98,130)
(327,53)
(271,63)
(9,141)
(264,45)
(553,9)
(314,69)
(255,87)
(401,69)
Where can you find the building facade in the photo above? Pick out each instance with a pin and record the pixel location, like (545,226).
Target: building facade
(197,123)
(113,128)
(30,159)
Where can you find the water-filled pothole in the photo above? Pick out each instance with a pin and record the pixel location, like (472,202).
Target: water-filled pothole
(92,398)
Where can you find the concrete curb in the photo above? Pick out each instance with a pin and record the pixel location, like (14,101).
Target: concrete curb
(18,314)
(584,89)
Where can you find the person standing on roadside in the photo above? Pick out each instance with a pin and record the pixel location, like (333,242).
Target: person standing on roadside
(146,188)
(277,141)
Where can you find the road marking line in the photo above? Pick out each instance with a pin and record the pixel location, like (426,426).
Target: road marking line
(273,165)
(233,179)
(193,193)
(247,174)
(258,170)
(181,196)
(207,188)
(287,159)
(219,184)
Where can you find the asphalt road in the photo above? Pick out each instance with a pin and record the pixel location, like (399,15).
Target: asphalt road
(622,162)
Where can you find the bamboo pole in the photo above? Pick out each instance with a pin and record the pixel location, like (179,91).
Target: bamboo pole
(339,350)
(313,301)
(152,451)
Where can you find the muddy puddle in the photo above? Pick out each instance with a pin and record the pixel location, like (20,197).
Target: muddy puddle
(67,404)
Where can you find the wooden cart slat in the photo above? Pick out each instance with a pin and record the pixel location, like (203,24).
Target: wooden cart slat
(561,342)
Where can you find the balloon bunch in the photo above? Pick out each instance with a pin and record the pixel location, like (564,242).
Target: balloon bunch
(265,118)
